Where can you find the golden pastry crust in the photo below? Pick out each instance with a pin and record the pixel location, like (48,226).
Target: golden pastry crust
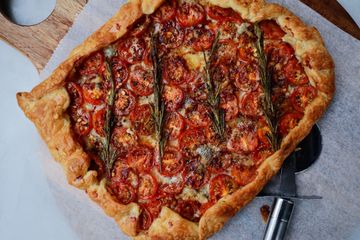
(46,106)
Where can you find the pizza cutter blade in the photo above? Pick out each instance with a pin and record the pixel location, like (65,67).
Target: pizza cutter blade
(283,204)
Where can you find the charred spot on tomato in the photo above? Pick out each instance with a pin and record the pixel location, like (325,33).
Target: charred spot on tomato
(220,163)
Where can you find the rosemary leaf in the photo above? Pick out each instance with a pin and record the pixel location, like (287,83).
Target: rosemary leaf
(214,89)
(270,113)
(159,106)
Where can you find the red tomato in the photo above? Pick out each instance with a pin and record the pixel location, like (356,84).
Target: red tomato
(92,65)
(126,175)
(75,92)
(302,96)
(82,121)
(171,163)
(124,102)
(173,97)
(145,219)
(174,125)
(263,132)
(148,59)
(142,119)
(166,12)
(245,77)
(279,52)
(195,174)
(142,81)
(250,104)
(197,115)
(243,175)
(124,139)
(189,209)
(271,30)
(226,53)
(191,139)
(172,188)
(199,38)
(171,35)
(93,93)
(221,73)
(176,71)
(131,49)
(140,26)
(243,140)
(229,103)
(222,185)
(294,72)
(120,71)
(99,121)
(223,14)
(141,158)
(190,14)
(124,193)
(289,121)
(220,163)
(148,186)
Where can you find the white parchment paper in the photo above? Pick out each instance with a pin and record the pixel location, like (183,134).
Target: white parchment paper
(335,176)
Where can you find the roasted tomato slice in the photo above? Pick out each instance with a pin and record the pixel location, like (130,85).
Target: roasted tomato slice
(75,92)
(126,175)
(172,162)
(279,52)
(199,38)
(229,103)
(120,72)
(294,72)
(195,174)
(243,140)
(302,96)
(243,175)
(82,121)
(142,120)
(171,35)
(271,30)
(148,186)
(99,121)
(191,139)
(141,81)
(222,185)
(245,77)
(93,92)
(131,49)
(250,104)
(220,163)
(123,192)
(189,209)
(176,70)
(141,158)
(166,12)
(289,121)
(92,65)
(174,125)
(124,138)
(173,187)
(190,14)
(173,97)
(140,26)
(124,102)
(226,53)
(221,73)
(197,115)
(223,14)
(145,219)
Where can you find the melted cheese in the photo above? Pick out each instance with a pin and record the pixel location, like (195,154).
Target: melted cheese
(194,60)
(191,194)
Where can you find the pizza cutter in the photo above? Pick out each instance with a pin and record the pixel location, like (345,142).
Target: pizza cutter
(308,152)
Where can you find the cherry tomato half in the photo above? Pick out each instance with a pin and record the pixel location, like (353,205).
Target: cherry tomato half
(141,158)
(125,175)
(222,185)
(124,102)
(166,12)
(172,162)
(302,96)
(197,115)
(289,121)
(174,125)
(123,192)
(171,35)
(142,81)
(245,77)
(189,209)
(148,186)
(191,139)
(199,38)
(92,65)
(75,92)
(243,140)
(99,121)
(120,72)
(195,174)
(93,92)
(142,119)
(229,103)
(173,97)
(271,30)
(223,14)
(250,104)
(131,49)
(124,138)
(294,72)
(176,71)
(82,121)
(190,14)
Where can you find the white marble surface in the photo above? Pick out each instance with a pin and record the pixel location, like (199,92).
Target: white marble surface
(31,209)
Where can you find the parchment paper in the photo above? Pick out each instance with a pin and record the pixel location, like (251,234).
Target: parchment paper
(335,176)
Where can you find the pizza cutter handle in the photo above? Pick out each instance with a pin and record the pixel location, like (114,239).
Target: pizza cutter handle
(279,219)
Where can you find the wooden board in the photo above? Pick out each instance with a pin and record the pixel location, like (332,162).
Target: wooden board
(39,41)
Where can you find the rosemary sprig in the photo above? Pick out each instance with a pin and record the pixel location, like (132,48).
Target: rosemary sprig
(217,115)
(108,153)
(159,106)
(270,113)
